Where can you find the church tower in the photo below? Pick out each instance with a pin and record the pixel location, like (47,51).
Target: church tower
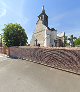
(43,17)
(43,35)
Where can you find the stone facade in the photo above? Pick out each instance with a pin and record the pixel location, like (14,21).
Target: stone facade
(44,36)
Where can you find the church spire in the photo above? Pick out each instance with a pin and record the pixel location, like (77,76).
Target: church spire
(43,10)
(43,17)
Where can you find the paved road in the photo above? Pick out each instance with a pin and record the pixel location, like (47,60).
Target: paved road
(24,76)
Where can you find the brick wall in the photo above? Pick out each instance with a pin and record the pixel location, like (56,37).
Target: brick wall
(1,49)
(67,59)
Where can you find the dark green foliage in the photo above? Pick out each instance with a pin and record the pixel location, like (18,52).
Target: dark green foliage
(14,35)
(71,39)
(65,40)
(77,41)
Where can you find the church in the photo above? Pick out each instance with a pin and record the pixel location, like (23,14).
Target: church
(45,36)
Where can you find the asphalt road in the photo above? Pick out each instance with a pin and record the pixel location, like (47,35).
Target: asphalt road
(23,76)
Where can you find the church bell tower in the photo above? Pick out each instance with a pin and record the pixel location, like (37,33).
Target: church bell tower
(43,17)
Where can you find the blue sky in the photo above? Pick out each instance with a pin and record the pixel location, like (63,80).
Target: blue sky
(64,15)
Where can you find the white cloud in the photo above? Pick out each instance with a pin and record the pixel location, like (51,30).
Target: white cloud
(3,9)
(3,4)
(2,12)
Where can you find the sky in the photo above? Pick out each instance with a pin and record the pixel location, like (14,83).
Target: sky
(64,15)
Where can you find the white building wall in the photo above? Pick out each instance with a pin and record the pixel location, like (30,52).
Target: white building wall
(47,38)
(53,37)
(50,37)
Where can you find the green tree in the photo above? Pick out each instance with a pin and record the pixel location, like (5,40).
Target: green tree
(65,40)
(71,39)
(66,43)
(14,35)
(77,42)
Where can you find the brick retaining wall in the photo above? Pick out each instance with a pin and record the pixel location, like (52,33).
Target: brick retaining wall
(67,59)
(1,49)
